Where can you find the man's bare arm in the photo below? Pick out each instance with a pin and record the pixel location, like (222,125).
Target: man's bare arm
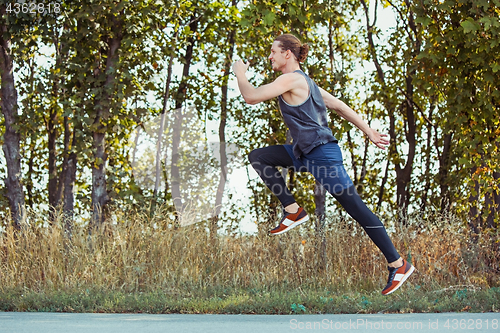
(350,115)
(253,95)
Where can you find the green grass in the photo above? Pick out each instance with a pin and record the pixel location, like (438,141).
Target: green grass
(409,299)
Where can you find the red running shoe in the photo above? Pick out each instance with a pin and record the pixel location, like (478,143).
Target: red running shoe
(397,276)
(290,221)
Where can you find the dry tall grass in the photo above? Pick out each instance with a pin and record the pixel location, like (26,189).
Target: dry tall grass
(142,253)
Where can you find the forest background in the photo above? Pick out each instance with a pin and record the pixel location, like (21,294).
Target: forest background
(108,138)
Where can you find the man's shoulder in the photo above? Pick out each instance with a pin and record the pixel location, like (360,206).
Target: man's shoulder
(291,75)
(294,77)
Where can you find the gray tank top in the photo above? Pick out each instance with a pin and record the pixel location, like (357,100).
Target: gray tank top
(307,122)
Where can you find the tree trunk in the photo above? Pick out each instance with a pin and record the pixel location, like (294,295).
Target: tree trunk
(496,201)
(390,107)
(187,59)
(66,151)
(222,135)
(12,138)
(99,191)
(68,176)
(364,161)
(158,159)
(444,166)
(31,171)
(354,165)
(32,145)
(474,217)
(54,184)
(489,209)
(52,133)
(69,195)
(381,191)
(162,117)
(176,131)
(174,167)
(403,173)
(427,171)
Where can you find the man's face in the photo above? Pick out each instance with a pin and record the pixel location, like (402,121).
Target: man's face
(278,57)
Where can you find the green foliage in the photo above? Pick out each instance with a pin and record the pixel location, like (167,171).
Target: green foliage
(459,65)
(442,66)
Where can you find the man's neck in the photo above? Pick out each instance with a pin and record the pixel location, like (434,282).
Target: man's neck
(291,67)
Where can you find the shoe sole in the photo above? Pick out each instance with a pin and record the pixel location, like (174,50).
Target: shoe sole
(293,225)
(406,276)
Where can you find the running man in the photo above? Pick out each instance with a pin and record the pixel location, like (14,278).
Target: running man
(303,106)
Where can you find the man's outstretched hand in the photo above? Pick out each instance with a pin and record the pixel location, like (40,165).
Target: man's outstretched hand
(380,140)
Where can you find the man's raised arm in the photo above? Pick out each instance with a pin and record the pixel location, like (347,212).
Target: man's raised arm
(253,95)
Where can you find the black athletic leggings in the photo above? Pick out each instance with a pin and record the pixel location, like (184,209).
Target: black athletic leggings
(326,166)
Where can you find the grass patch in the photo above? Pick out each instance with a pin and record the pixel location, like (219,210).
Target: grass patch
(143,264)
(252,302)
